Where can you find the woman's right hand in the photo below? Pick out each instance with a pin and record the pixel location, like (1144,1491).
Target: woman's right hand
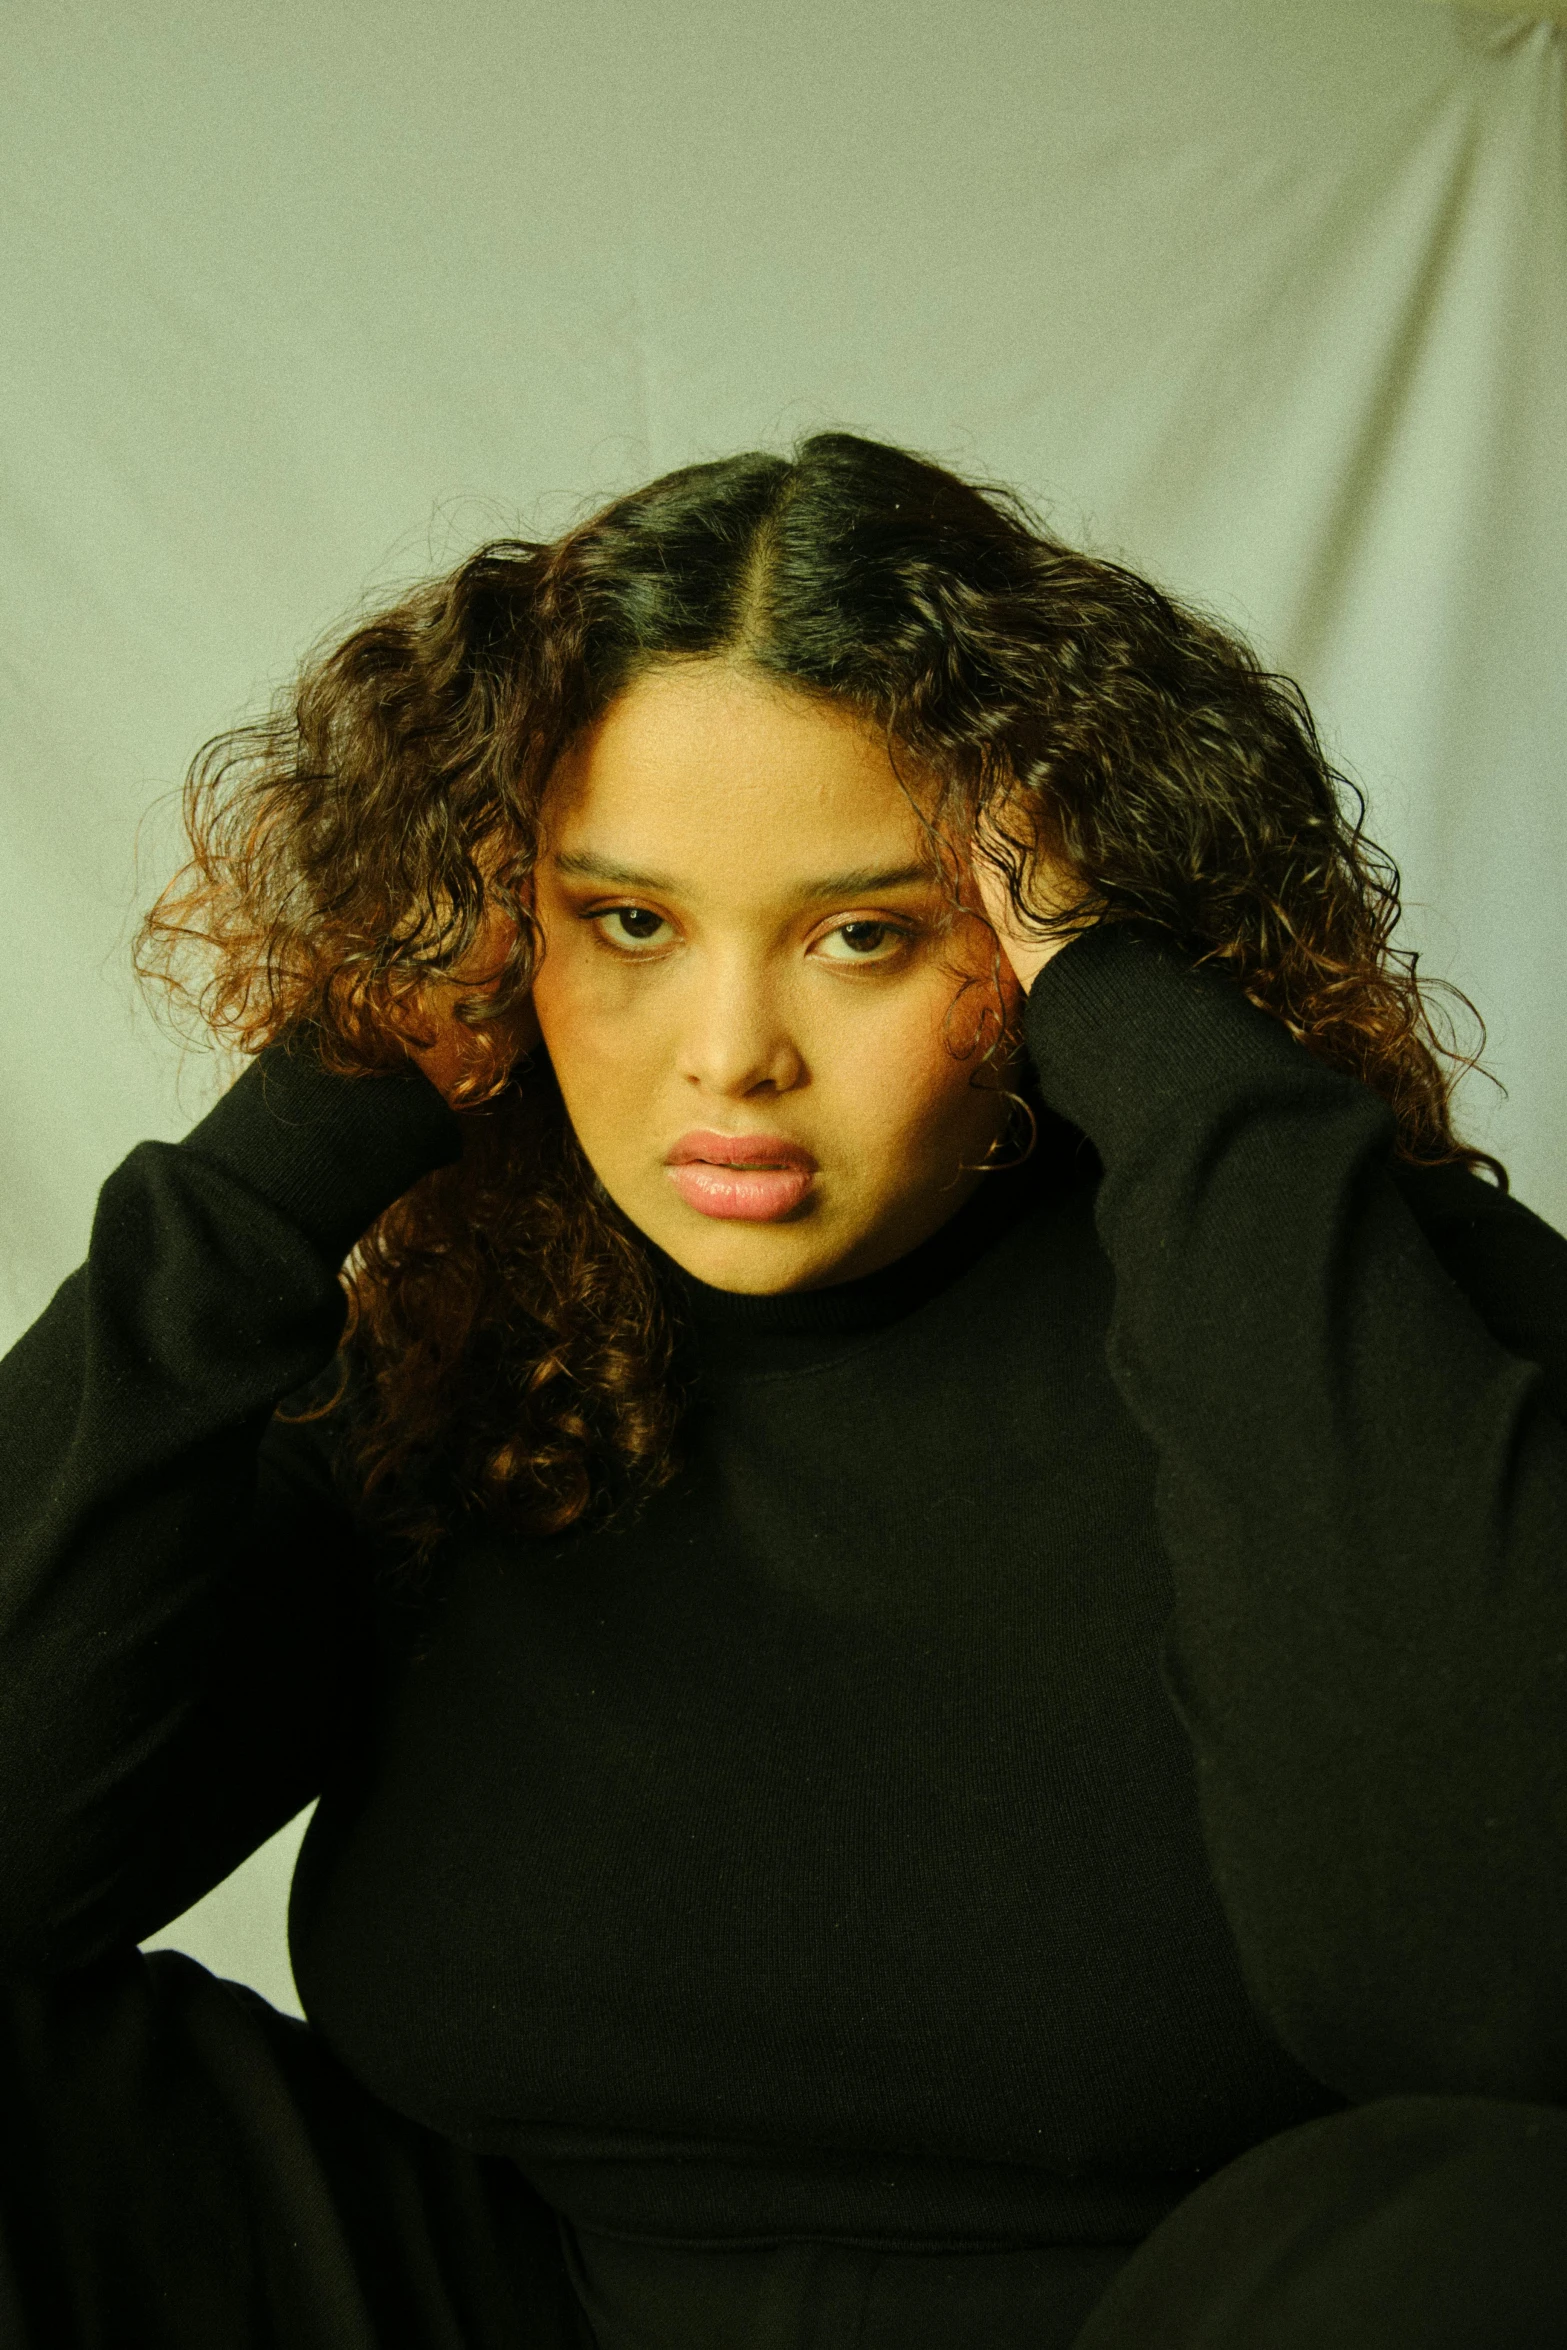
(454,1060)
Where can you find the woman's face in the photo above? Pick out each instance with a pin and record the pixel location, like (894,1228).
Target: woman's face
(746,945)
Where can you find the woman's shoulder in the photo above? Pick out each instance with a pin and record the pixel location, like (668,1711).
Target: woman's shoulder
(1508,1260)
(306,1446)
(1453,1196)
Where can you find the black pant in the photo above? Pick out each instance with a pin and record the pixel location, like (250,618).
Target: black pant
(183,2168)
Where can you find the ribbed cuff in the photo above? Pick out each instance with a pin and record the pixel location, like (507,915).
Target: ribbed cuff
(329,1152)
(1124,1029)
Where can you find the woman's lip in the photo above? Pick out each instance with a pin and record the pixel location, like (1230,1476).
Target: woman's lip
(741,1150)
(751,1195)
(748,1178)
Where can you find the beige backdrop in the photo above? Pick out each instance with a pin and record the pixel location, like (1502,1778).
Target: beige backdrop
(1266,297)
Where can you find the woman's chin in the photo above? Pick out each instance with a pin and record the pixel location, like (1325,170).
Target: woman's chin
(755,1257)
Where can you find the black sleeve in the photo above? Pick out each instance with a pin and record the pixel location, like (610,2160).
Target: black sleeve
(1354,1375)
(176,1614)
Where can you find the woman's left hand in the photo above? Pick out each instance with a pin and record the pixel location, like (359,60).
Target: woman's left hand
(1055,890)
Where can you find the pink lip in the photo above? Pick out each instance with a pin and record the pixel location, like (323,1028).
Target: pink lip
(754,1178)
(733,1150)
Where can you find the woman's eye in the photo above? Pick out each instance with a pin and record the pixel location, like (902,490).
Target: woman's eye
(868,942)
(862,942)
(631,917)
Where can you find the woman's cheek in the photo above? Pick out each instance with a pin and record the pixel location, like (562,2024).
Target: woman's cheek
(611,1061)
(895,1072)
(575,1000)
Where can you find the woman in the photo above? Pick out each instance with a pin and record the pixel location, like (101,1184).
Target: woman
(836,1381)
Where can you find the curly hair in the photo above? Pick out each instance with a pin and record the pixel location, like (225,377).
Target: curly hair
(512,1352)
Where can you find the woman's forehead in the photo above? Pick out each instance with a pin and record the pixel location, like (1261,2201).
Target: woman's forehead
(696,757)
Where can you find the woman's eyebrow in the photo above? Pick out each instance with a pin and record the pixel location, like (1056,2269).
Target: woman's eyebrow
(858,881)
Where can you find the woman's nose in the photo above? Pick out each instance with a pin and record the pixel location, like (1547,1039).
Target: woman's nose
(736,1035)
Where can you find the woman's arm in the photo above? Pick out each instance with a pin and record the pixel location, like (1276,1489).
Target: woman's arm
(176,1606)
(1355,1377)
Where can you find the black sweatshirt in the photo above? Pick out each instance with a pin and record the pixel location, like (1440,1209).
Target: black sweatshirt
(1094,1697)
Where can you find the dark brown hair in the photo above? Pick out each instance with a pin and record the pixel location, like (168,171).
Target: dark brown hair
(513,1352)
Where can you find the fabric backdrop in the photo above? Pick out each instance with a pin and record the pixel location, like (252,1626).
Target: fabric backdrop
(1267,298)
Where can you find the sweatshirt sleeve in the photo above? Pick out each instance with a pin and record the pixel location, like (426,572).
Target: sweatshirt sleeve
(1354,1377)
(176,1618)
